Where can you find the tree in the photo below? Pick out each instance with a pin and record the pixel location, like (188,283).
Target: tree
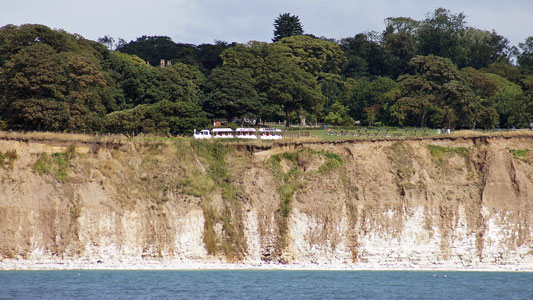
(401,25)
(510,103)
(364,55)
(505,70)
(286,25)
(289,86)
(152,48)
(435,95)
(527,84)
(442,34)
(314,55)
(332,86)
(46,90)
(248,56)
(485,48)
(208,55)
(179,83)
(398,44)
(482,84)
(279,80)
(369,101)
(164,117)
(338,115)
(525,58)
(108,41)
(135,81)
(232,94)
(15,38)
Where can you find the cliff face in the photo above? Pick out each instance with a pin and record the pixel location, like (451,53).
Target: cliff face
(413,203)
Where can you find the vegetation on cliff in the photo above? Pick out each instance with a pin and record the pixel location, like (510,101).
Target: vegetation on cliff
(351,201)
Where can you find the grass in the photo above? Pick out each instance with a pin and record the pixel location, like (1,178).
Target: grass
(43,165)
(288,182)
(56,164)
(443,154)
(8,158)
(338,133)
(401,155)
(436,150)
(332,161)
(291,177)
(315,135)
(521,154)
(216,178)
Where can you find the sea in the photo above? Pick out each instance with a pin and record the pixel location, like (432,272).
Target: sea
(253,284)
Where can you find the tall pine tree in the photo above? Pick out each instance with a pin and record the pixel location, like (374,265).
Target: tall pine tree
(286,25)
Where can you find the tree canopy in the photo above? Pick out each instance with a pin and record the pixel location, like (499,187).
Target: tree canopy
(287,25)
(436,72)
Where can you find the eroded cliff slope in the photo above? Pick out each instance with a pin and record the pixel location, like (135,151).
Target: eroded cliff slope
(455,202)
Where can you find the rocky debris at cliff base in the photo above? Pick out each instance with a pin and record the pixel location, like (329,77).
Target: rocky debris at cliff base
(16,264)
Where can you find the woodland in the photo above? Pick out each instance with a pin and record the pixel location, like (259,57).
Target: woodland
(437,72)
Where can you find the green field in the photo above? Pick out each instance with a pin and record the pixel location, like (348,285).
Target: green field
(363,133)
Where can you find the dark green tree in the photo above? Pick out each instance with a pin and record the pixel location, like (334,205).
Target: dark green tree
(209,54)
(286,25)
(45,90)
(232,94)
(511,104)
(485,48)
(398,44)
(179,83)
(289,86)
(369,101)
(442,34)
(338,115)
(314,55)
(525,58)
(332,87)
(135,81)
(152,48)
(435,95)
(164,117)
(364,55)
(505,70)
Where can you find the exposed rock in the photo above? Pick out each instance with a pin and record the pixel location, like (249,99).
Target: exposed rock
(461,204)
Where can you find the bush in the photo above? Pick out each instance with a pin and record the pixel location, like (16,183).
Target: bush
(521,154)
(57,164)
(43,165)
(10,156)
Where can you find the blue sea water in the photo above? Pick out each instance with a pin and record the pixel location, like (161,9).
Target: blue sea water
(256,285)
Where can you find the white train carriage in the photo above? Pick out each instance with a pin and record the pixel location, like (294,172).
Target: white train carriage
(246,133)
(270,134)
(222,133)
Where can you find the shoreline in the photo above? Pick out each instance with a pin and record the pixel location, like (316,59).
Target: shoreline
(158,265)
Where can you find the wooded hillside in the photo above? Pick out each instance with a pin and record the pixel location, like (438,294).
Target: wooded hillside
(436,72)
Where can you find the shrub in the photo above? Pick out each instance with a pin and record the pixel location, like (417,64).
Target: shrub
(521,154)
(43,165)
(57,164)
(10,156)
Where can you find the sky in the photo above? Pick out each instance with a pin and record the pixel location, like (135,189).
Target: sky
(205,21)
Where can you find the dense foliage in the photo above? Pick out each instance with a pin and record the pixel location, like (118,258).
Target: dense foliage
(436,72)
(286,25)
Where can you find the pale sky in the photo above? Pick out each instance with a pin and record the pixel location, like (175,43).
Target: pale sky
(204,21)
